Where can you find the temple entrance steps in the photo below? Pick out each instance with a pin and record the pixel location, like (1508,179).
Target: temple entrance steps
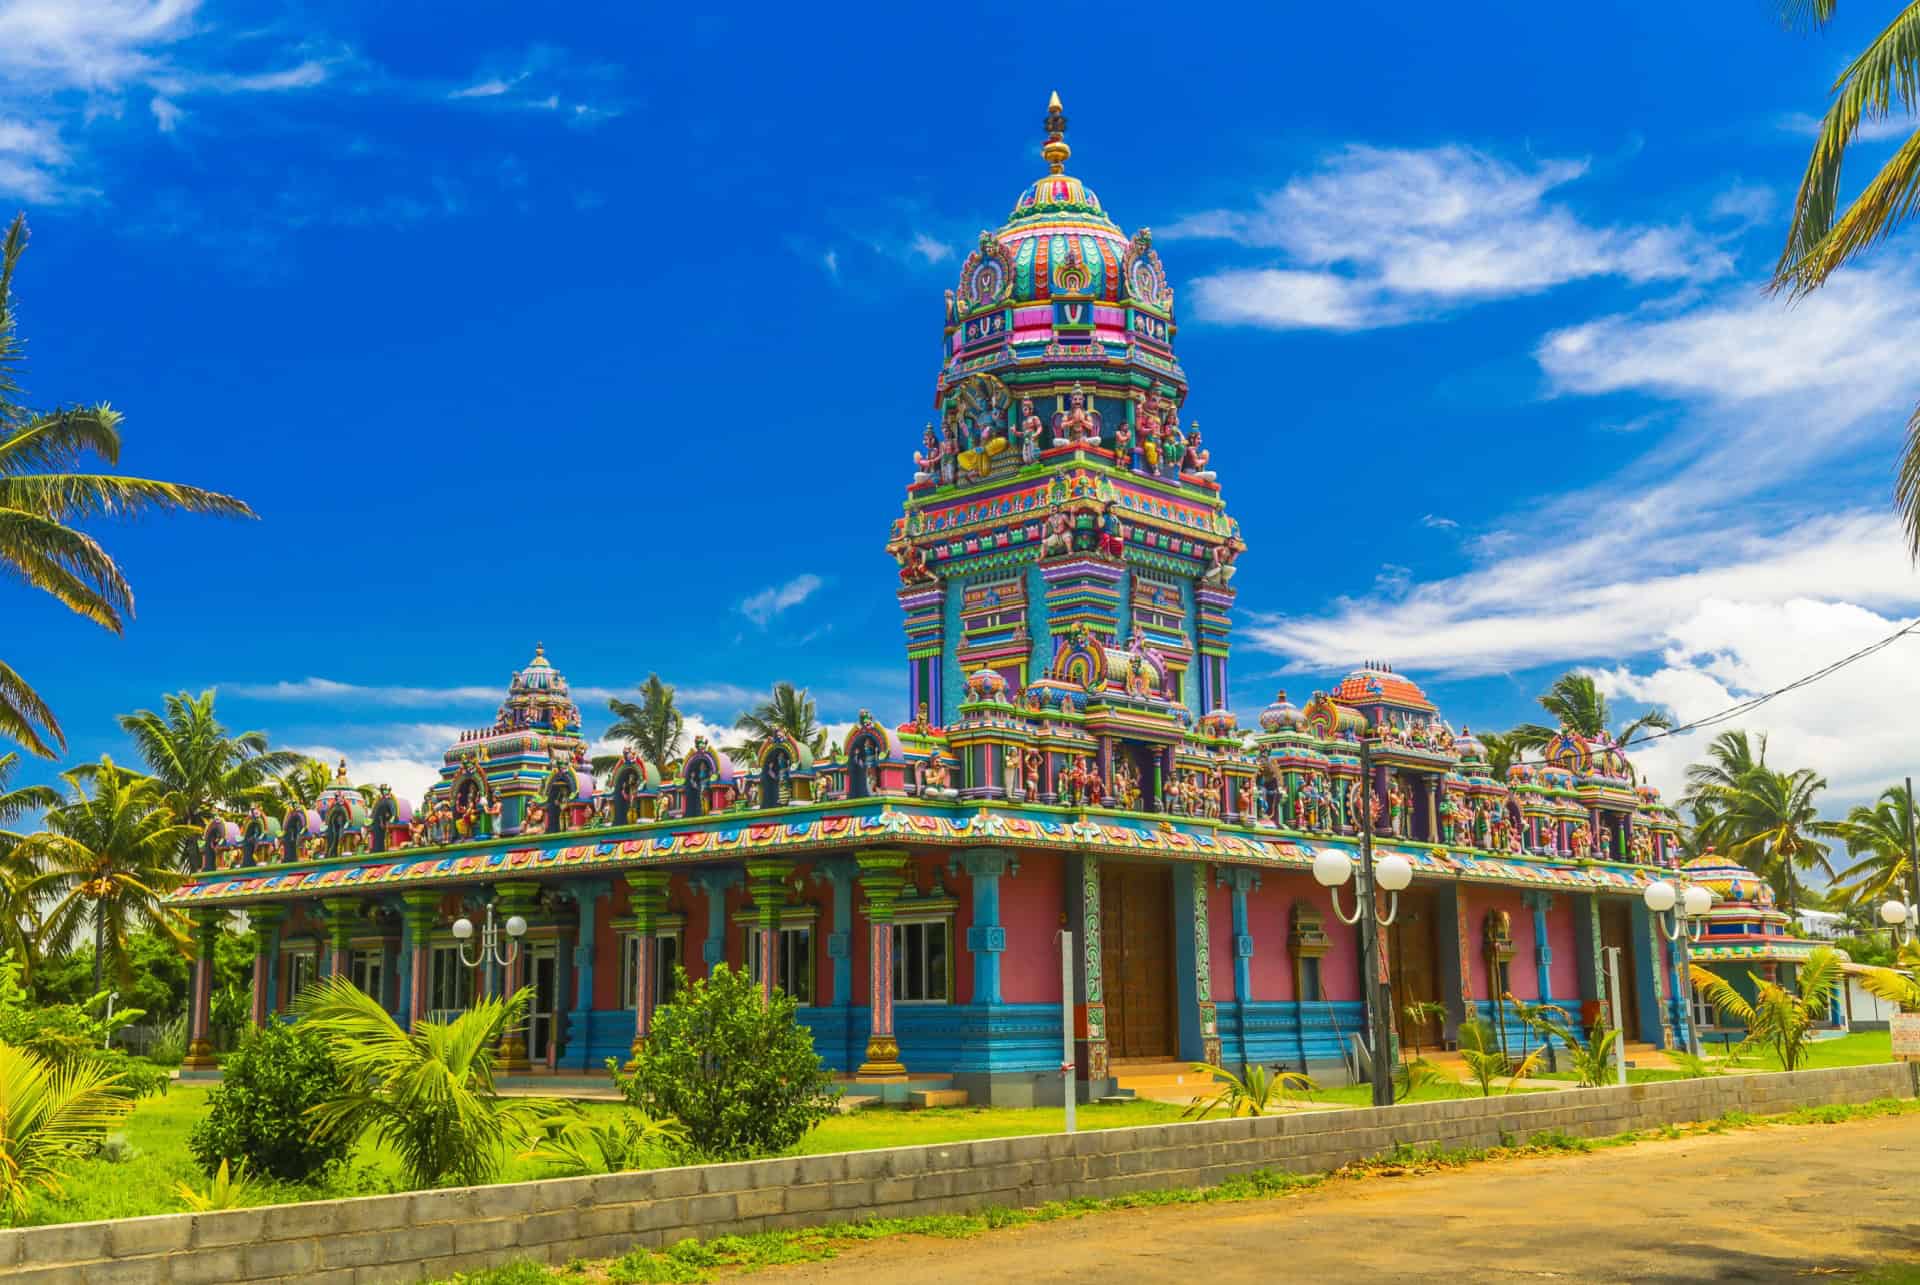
(1160,1080)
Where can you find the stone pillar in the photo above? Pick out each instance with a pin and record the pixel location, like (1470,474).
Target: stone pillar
(1586,959)
(647,898)
(1540,903)
(1197,1018)
(1649,972)
(1241,880)
(986,939)
(421,913)
(1090,1008)
(714,883)
(767,882)
(586,898)
(883,873)
(265,921)
(840,872)
(343,916)
(513,899)
(206,933)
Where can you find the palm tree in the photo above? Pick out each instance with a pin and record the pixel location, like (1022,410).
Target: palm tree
(1500,751)
(1882,836)
(1776,1017)
(1770,823)
(1580,706)
(40,498)
(299,786)
(653,727)
(788,710)
(202,767)
(428,1094)
(1819,241)
(1730,757)
(19,914)
(108,857)
(53,1118)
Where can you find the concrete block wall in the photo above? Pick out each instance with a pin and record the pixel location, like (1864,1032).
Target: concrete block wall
(426,1235)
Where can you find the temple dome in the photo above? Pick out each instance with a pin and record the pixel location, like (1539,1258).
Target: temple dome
(1378,685)
(1728,881)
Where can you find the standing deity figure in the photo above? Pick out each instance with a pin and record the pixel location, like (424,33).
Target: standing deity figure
(1243,803)
(1198,456)
(1077,424)
(1030,762)
(949,453)
(1123,452)
(1113,534)
(1396,809)
(1603,847)
(1578,840)
(1173,449)
(1147,415)
(1263,785)
(1030,426)
(1482,827)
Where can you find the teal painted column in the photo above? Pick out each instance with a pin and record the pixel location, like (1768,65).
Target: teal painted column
(1647,977)
(986,938)
(714,883)
(401,1010)
(839,873)
(1240,881)
(586,899)
(1193,991)
(1586,954)
(1539,903)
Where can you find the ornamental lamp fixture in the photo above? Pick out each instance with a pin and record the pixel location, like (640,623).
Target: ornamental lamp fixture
(490,948)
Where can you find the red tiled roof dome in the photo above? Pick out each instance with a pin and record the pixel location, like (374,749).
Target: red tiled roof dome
(1378,685)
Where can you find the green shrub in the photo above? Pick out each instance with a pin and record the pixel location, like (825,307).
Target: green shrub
(737,1070)
(169,1047)
(66,1036)
(257,1114)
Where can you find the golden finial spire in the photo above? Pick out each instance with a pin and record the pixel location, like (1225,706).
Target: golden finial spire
(1055,150)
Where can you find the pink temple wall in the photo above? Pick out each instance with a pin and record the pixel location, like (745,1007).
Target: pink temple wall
(961,887)
(1030,907)
(1269,908)
(1220,939)
(1565,969)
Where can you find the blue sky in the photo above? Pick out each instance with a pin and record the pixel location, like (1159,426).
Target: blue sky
(615,328)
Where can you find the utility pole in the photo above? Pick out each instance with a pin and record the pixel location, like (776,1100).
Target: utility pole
(1913,852)
(1379,1004)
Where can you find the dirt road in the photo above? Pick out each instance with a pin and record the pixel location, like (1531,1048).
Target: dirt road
(1769,1204)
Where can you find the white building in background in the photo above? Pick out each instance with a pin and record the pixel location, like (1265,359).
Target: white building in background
(1822,925)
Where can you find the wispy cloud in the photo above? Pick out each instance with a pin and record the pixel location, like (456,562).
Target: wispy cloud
(1873,129)
(1434,522)
(1377,237)
(933,251)
(831,262)
(486,89)
(762,607)
(330,690)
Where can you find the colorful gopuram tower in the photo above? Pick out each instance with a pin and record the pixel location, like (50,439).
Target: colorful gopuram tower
(1058,496)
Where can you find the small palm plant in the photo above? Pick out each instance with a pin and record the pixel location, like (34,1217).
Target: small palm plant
(1254,1091)
(1416,1074)
(1592,1060)
(1776,1018)
(575,1145)
(1487,1061)
(429,1094)
(50,1117)
(1418,1014)
(228,1189)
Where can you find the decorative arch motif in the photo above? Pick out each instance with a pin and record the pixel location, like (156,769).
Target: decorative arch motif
(1080,660)
(296,827)
(704,769)
(561,787)
(634,779)
(986,278)
(218,836)
(260,832)
(390,811)
(869,744)
(1145,275)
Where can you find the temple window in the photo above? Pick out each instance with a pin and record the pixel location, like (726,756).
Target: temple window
(1310,988)
(923,961)
(1307,943)
(449,983)
(666,957)
(300,966)
(793,964)
(369,972)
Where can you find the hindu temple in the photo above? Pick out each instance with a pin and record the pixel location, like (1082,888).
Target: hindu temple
(1065,758)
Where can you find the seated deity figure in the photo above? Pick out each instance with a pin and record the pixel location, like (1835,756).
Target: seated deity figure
(934,781)
(1077,425)
(1173,450)
(926,460)
(1198,456)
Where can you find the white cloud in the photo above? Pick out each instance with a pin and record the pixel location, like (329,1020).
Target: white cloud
(1873,129)
(831,261)
(929,249)
(327,689)
(487,88)
(1435,522)
(1844,726)
(763,606)
(32,160)
(1743,203)
(89,44)
(1380,237)
(411,776)
(166,114)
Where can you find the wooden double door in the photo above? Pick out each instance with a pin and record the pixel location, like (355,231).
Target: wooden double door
(1136,952)
(1413,948)
(1616,929)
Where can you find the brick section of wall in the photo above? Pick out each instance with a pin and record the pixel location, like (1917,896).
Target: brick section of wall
(432,1234)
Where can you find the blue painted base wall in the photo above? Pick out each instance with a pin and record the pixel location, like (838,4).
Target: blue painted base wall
(1288,1033)
(1519,1037)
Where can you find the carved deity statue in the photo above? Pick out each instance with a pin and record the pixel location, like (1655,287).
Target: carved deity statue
(1029,432)
(1077,424)
(926,460)
(1198,456)
(1059,536)
(1030,762)
(949,452)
